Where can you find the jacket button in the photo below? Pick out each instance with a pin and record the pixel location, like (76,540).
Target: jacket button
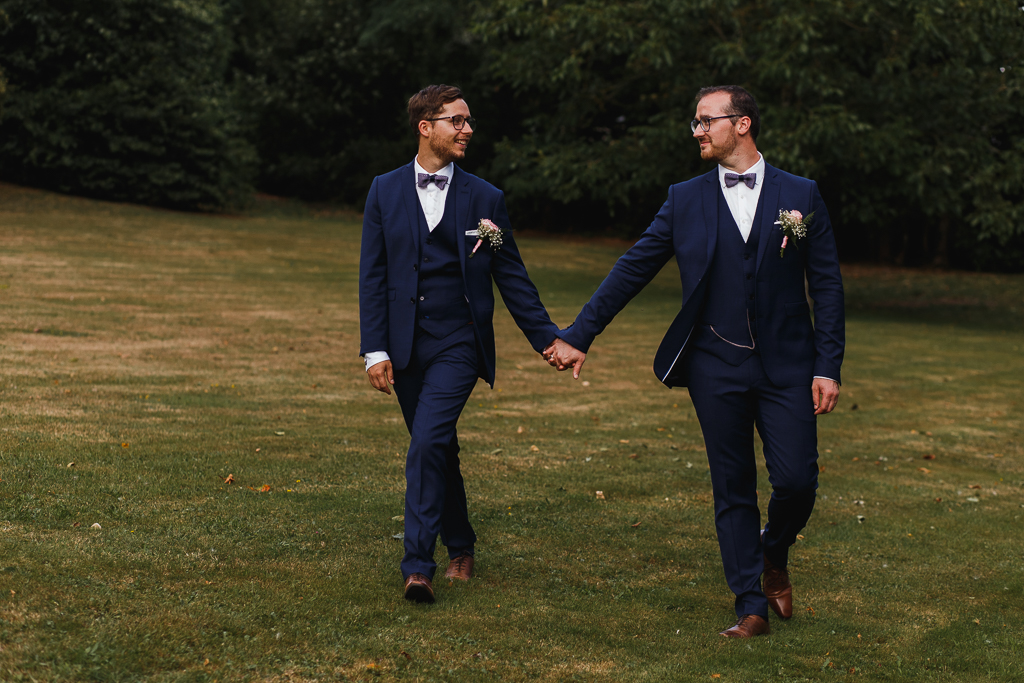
(412,299)
(423,297)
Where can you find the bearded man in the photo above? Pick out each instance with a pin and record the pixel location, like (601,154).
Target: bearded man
(426,304)
(745,237)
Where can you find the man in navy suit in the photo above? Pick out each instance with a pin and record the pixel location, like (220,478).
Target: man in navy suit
(426,305)
(743,341)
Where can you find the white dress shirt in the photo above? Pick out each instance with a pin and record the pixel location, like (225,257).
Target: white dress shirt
(432,200)
(741,199)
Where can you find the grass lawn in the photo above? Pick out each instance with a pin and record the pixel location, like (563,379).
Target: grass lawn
(148,355)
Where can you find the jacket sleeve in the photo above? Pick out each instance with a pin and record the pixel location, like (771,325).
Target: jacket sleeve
(516,289)
(373,279)
(825,287)
(630,274)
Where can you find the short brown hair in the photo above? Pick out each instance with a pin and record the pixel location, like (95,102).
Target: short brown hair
(741,103)
(429,102)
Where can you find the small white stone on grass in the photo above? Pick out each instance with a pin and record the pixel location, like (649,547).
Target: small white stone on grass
(96,526)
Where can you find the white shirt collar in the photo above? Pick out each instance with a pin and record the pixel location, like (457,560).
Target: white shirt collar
(448,170)
(757,168)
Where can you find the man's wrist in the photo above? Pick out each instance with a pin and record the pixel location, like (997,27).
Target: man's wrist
(374,357)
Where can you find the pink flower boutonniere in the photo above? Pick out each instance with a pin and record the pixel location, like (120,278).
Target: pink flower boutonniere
(486,231)
(793,225)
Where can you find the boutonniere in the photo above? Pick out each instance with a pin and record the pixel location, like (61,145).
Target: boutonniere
(488,232)
(793,225)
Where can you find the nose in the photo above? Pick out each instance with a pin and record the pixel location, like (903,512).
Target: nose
(467,127)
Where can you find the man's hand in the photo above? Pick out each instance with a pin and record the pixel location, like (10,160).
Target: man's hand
(381,376)
(562,355)
(825,394)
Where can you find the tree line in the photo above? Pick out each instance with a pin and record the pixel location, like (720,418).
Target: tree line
(908,113)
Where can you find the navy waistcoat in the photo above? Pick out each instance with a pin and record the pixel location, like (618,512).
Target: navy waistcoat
(442,307)
(729,303)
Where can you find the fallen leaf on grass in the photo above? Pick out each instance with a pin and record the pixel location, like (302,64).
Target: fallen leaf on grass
(938,500)
(71,464)
(124,444)
(861,518)
(497,451)
(399,537)
(923,469)
(520,430)
(230,479)
(972,499)
(266,488)
(978,622)
(800,537)
(96,525)
(278,433)
(635,525)
(600,495)
(409,656)
(633,456)
(928,456)
(534,449)
(398,518)
(623,440)
(77,524)
(975,486)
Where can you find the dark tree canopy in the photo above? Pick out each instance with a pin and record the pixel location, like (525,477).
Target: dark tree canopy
(908,113)
(122,99)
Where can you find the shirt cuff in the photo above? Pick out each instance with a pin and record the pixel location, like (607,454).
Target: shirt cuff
(374,357)
(815,377)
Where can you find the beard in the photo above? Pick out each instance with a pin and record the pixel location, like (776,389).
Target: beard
(446,150)
(719,149)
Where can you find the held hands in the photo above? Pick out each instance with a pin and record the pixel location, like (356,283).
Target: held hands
(381,376)
(563,356)
(825,394)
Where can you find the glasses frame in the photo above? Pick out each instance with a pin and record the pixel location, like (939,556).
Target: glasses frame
(705,123)
(465,119)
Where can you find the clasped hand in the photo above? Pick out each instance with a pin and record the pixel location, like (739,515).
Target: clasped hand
(562,355)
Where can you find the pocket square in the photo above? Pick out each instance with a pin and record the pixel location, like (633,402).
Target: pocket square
(472,233)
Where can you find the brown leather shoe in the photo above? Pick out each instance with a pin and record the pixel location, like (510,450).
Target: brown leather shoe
(778,589)
(748,626)
(418,588)
(460,567)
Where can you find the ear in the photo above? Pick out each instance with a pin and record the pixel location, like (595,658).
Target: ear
(743,125)
(425,127)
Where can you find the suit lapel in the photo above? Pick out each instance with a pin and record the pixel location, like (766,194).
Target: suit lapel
(709,196)
(412,203)
(769,211)
(460,185)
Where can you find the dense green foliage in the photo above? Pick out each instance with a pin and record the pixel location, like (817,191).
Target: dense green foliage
(909,113)
(325,84)
(123,99)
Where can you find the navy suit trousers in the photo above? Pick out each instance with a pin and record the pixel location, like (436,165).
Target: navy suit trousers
(729,401)
(432,391)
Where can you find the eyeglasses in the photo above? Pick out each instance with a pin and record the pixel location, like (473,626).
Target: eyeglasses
(705,123)
(458,122)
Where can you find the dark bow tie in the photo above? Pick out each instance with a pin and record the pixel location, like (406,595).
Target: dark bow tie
(424,179)
(731,179)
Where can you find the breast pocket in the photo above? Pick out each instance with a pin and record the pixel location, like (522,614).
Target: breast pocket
(392,294)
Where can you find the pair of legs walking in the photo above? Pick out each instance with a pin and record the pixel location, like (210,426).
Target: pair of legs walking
(432,391)
(730,401)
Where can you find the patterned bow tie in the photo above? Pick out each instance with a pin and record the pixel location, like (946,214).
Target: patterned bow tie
(424,179)
(731,179)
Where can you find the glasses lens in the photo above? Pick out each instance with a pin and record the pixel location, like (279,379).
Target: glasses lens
(705,123)
(693,126)
(458,122)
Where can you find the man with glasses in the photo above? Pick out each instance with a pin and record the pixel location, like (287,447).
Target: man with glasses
(743,342)
(426,304)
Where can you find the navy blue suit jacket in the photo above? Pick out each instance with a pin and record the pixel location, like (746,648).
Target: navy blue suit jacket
(793,351)
(390,255)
